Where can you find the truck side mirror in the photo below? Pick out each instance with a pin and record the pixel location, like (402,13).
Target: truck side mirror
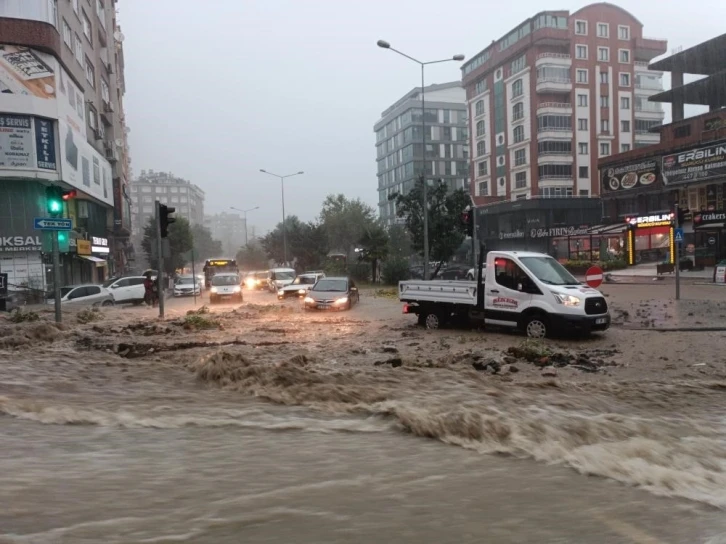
(520,287)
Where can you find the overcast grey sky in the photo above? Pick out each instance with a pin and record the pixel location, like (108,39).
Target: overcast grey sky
(218,89)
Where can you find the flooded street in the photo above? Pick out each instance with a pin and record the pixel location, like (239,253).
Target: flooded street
(262,423)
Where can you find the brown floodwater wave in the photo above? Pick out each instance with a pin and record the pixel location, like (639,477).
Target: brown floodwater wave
(617,431)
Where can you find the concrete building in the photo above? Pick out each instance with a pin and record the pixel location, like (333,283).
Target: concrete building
(150,186)
(546,101)
(399,141)
(61,113)
(228,228)
(641,187)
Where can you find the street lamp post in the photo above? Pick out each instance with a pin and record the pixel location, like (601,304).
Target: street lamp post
(244,212)
(385,45)
(282,188)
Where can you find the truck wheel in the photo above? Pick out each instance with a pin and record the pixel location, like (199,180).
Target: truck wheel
(432,321)
(536,326)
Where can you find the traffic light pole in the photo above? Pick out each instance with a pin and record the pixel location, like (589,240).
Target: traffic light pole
(56,276)
(677,257)
(160,271)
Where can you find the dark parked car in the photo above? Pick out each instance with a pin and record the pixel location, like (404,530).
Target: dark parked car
(332,294)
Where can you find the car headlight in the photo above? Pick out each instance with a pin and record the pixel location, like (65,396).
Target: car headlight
(566,300)
(280,292)
(301,291)
(343,300)
(309,300)
(237,289)
(213,289)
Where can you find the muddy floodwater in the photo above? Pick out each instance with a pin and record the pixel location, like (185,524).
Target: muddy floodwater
(260,423)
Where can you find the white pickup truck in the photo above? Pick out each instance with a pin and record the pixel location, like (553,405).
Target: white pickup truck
(519,289)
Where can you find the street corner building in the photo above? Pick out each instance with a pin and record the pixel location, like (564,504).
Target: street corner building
(545,102)
(680,181)
(62,125)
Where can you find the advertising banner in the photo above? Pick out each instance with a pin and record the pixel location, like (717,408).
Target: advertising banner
(27,81)
(698,164)
(45,144)
(556,232)
(710,217)
(629,175)
(83,167)
(16,142)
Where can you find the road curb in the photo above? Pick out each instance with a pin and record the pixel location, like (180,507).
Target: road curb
(675,329)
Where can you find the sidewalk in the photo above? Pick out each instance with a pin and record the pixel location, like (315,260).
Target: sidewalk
(649,270)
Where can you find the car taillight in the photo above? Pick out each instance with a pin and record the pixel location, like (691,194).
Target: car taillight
(405,308)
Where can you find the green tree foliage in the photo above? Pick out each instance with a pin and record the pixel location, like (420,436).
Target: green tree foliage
(307,243)
(399,242)
(345,221)
(205,247)
(252,257)
(180,243)
(395,269)
(374,247)
(447,229)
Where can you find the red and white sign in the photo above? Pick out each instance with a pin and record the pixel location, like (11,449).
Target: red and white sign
(593,276)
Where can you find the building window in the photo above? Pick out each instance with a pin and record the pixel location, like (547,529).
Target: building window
(90,73)
(101,13)
(480,86)
(623,32)
(604,78)
(555,192)
(92,118)
(518,111)
(555,147)
(625,56)
(605,101)
(554,122)
(78,48)
(624,102)
(625,80)
(87,28)
(582,76)
(605,125)
(67,35)
(581,51)
(582,148)
(520,157)
(75,6)
(682,131)
(518,134)
(105,94)
(584,192)
(582,124)
(582,100)
(483,168)
(625,126)
(481,148)
(624,148)
(481,128)
(520,180)
(518,65)
(517,89)
(483,188)
(581,28)
(604,149)
(479,108)
(603,54)
(555,171)
(583,172)
(603,30)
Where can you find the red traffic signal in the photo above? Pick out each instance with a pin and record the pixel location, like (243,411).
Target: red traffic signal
(67,195)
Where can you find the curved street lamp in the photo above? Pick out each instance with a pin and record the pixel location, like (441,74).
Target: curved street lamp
(282,187)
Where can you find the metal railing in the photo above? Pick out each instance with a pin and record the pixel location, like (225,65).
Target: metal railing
(560,80)
(562,105)
(553,56)
(648,87)
(554,129)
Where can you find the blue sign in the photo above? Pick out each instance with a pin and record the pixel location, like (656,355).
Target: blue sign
(48,223)
(45,144)
(679,236)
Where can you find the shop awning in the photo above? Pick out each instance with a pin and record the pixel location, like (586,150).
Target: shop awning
(95,260)
(609,229)
(710,226)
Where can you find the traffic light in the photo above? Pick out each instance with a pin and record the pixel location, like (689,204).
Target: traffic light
(468,219)
(53,200)
(63,242)
(67,195)
(165,219)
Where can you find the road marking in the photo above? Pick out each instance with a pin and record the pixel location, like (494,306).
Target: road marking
(627,530)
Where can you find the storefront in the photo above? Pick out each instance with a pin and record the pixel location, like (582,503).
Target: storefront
(99,258)
(708,245)
(21,260)
(650,239)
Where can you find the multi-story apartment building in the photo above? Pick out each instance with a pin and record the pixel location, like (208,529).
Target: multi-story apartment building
(150,186)
(399,141)
(62,85)
(549,99)
(228,228)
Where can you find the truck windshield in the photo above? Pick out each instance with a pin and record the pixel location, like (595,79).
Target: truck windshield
(549,271)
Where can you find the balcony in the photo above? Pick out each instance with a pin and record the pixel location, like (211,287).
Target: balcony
(558,59)
(646,49)
(554,133)
(647,137)
(556,181)
(648,88)
(649,113)
(554,85)
(555,158)
(31,10)
(554,108)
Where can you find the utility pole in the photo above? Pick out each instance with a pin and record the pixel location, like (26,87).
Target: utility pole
(474,237)
(677,255)
(56,276)
(160,253)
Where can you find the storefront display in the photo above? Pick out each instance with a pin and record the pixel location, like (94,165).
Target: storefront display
(650,238)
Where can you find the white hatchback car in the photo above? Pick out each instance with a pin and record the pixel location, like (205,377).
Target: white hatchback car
(85,295)
(226,285)
(129,289)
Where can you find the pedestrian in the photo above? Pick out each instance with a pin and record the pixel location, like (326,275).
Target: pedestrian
(151,295)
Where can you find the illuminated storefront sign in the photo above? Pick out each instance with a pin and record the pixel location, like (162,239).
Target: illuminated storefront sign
(648,221)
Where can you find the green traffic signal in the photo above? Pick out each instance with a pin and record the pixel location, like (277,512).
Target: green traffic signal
(53,201)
